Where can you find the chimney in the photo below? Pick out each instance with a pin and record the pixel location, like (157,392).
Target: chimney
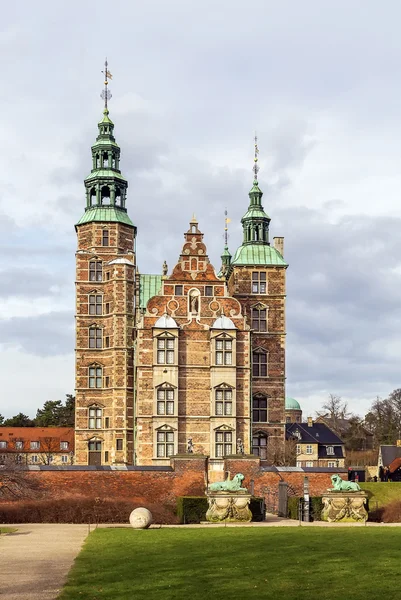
(398,443)
(310,422)
(279,244)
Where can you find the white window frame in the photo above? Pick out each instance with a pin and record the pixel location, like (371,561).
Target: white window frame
(309,449)
(299,449)
(165,398)
(34,445)
(223,443)
(330,450)
(165,350)
(95,414)
(309,463)
(165,443)
(224,351)
(64,459)
(331,464)
(223,402)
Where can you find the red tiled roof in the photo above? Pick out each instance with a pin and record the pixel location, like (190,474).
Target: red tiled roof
(393,466)
(49,438)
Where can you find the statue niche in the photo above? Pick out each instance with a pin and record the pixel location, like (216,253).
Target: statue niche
(193,300)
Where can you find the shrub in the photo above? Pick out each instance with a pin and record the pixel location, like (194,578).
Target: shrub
(391,513)
(315,507)
(67,510)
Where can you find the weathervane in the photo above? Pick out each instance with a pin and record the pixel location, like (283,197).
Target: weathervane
(255,167)
(106,94)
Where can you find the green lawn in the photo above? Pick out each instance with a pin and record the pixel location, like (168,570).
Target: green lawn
(297,563)
(5,529)
(382,492)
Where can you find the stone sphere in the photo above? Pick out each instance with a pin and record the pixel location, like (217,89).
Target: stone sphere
(140,518)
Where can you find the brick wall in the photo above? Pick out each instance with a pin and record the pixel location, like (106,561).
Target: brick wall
(159,488)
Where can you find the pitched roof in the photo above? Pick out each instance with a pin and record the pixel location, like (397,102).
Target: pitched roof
(389,453)
(44,435)
(318,433)
(149,286)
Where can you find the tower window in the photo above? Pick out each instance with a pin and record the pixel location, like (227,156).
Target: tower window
(259,364)
(165,351)
(258,283)
(165,401)
(224,402)
(224,443)
(95,377)
(95,270)
(95,337)
(95,418)
(259,446)
(224,352)
(259,319)
(105,158)
(165,444)
(208,290)
(95,304)
(119,444)
(105,237)
(259,409)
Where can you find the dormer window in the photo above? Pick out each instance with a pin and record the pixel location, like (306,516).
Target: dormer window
(330,450)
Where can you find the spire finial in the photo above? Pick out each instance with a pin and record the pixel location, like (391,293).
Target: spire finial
(106,94)
(255,168)
(226,222)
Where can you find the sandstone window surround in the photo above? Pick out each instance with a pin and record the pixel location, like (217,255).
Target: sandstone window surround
(95,414)
(224,401)
(208,290)
(165,349)
(178,290)
(259,445)
(223,443)
(95,303)
(259,363)
(164,444)
(259,408)
(105,237)
(95,337)
(95,376)
(224,348)
(165,396)
(259,282)
(259,318)
(95,270)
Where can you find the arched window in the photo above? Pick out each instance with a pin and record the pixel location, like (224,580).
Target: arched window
(118,197)
(95,337)
(259,445)
(92,197)
(95,376)
(105,195)
(95,270)
(105,160)
(259,408)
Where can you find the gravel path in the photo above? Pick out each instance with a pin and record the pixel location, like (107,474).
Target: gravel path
(35,560)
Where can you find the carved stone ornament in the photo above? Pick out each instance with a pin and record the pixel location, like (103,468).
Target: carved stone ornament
(345,506)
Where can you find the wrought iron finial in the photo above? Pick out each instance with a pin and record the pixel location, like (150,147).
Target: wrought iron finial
(255,168)
(226,222)
(106,94)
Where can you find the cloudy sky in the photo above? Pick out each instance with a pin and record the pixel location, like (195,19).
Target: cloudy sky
(321,84)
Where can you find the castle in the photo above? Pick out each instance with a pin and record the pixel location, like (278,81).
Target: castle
(186,361)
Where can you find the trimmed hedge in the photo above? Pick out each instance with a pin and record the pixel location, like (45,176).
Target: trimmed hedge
(192,509)
(315,507)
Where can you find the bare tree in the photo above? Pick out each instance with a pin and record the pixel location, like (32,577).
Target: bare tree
(48,447)
(281,454)
(334,408)
(14,482)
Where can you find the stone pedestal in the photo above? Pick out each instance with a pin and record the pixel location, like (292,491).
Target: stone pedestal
(228,506)
(340,507)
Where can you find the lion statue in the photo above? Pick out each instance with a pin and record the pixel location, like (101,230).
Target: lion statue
(229,485)
(339,485)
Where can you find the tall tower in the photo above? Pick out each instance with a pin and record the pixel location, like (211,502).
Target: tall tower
(105,285)
(256,277)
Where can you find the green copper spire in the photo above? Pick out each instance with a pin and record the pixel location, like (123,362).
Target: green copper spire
(255,222)
(106,188)
(256,249)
